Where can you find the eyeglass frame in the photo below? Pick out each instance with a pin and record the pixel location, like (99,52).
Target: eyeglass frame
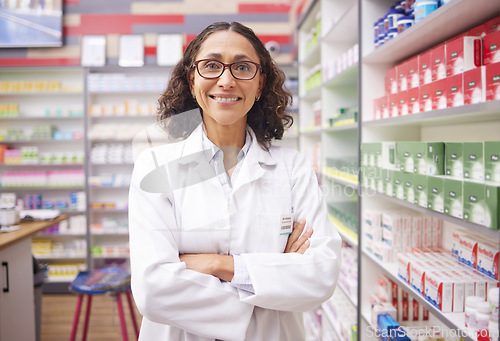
(224,66)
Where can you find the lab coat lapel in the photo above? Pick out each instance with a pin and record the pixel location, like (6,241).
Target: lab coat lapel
(253,164)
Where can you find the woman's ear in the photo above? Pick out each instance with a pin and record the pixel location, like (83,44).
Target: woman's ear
(262,84)
(190,79)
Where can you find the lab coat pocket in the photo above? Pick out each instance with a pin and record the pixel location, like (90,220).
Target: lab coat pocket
(269,233)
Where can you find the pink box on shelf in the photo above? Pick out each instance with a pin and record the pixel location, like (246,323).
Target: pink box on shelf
(491,43)
(438,62)
(403,103)
(493,82)
(426,97)
(439,94)
(462,54)
(475,85)
(455,90)
(392,81)
(425,67)
(413,77)
(414,100)
(402,74)
(394,105)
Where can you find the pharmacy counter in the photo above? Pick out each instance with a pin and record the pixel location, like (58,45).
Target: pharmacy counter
(17,310)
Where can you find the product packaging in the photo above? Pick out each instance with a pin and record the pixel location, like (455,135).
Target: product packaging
(492,201)
(405,156)
(409,191)
(455,90)
(392,81)
(453,197)
(474,202)
(437,232)
(439,94)
(492,161)
(428,158)
(473,160)
(426,94)
(413,76)
(394,105)
(420,189)
(467,251)
(454,164)
(438,60)
(435,193)
(487,259)
(397,185)
(493,82)
(402,75)
(491,43)
(414,101)
(462,54)
(403,103)
(475,85)
(425,67)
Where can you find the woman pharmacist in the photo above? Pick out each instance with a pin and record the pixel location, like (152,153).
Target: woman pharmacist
(211,255)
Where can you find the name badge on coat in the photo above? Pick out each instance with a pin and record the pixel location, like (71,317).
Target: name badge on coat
(286,223)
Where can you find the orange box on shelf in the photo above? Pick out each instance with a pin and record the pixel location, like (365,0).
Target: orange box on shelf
(426,97)
(439,94)
(438,62)
(425,67)
(475,86)
(414,101)
(491,43)
(455,90)
(493,82)
(462,54)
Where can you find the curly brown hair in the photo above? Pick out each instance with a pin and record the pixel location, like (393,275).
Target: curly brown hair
(267,117)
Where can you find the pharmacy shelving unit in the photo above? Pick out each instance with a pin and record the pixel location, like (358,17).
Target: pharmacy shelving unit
(328,91)
(42,98)
(477,122)
(120,103)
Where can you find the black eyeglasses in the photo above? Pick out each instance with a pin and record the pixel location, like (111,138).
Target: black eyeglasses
(211,69)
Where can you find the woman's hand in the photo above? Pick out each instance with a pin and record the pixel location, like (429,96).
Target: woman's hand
(221,266)
(297,243)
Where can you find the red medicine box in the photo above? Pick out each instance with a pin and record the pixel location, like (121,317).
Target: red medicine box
(402,76)
(474,86)
(413,74)
(463,54)
(455,90)
(426,97)
(491,44)
(413,101)
(493,82)
(425,67)
(438,61)
(392,81)
(394,105)
(439,94)
(403,103)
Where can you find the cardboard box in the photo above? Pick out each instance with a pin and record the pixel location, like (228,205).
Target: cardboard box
(438,60)
(414,101)
(417,274)
(492,200)
(392,81)
(453,197)
(467,251)
(397,185)
(413,77)
(425,67)
(439,94)
(492,161)
(492,82)
(473,160)
(394,105)
(462,54)
(428,158)
(491,42)
(387,156)
(420,189)
(475,85)
(426,95)
(416,231)
(388,182)
(405,156)
(474,202)
(455,91)
(437,232)
(409,191)
(435,193)
(402,74)
(454,163)
(403,261)
(488,259)
(403,103)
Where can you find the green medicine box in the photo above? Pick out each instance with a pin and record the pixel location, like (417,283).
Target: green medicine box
(492,161)
(454,164)
(492,197)
(420,189)
(453,197)
(388,182)
(429,158)
(397,185)
(474,202)
(404,156)
(409,189)
(473,160)
(435,193)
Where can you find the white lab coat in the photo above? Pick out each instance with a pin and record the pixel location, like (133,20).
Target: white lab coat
(194,217)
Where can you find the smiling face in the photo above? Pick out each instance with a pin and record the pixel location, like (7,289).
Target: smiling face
(225,101)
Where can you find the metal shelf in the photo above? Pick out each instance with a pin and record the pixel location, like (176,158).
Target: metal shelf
(457,221)
(454,321)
